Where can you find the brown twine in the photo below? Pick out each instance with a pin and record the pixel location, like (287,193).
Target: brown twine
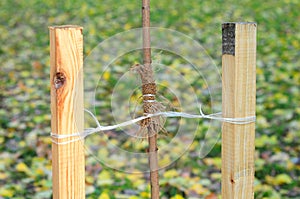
(149,88)
(150,126)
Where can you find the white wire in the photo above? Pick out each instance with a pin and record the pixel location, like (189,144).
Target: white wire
(89,131)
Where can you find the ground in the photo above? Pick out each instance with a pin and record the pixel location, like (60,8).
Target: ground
(25,145)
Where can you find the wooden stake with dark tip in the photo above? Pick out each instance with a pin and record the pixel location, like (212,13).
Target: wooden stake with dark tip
(238,101)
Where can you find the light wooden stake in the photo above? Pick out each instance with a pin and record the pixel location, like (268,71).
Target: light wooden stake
(66,60)
(238,101)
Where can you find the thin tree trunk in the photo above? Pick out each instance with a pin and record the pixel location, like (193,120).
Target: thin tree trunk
(149,92)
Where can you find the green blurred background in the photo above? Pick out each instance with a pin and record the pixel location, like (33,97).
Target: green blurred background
(25,145)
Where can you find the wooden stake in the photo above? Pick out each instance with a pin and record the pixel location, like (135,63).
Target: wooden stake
(238,100)
(66,60)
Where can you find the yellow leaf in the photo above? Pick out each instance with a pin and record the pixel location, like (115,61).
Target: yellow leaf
(262,188)
(279,179)
(120,175)
(39,171)
(106,75)
(105,178)
(104,196)
(105,57)
(164,83)
(174,12)
(46,140)
(171,173)
(269,179)
(145,194)
(290,165)
(199,189)
(135,178)
(165,160)
(104,175)
(283,179)
(6,193)
(296,43)
(216,176)
(114,141)
(22,167)
(1,140)
(213,161)
(194,145)
(22,143)
(89,179)
(177,196)
(103,152)
(127,26)
(138,183)
(134,197)
(259,71)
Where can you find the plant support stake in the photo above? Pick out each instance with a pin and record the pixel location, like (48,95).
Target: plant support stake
(238,101)
(66,78)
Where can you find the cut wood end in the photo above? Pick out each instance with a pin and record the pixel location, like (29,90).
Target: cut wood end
(65,27)
(228,35)
(239,23)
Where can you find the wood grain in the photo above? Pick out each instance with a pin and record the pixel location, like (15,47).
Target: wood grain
(238,100)
(66,61)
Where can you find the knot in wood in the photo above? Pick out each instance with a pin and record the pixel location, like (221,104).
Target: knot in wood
(145,7)
(59,80)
